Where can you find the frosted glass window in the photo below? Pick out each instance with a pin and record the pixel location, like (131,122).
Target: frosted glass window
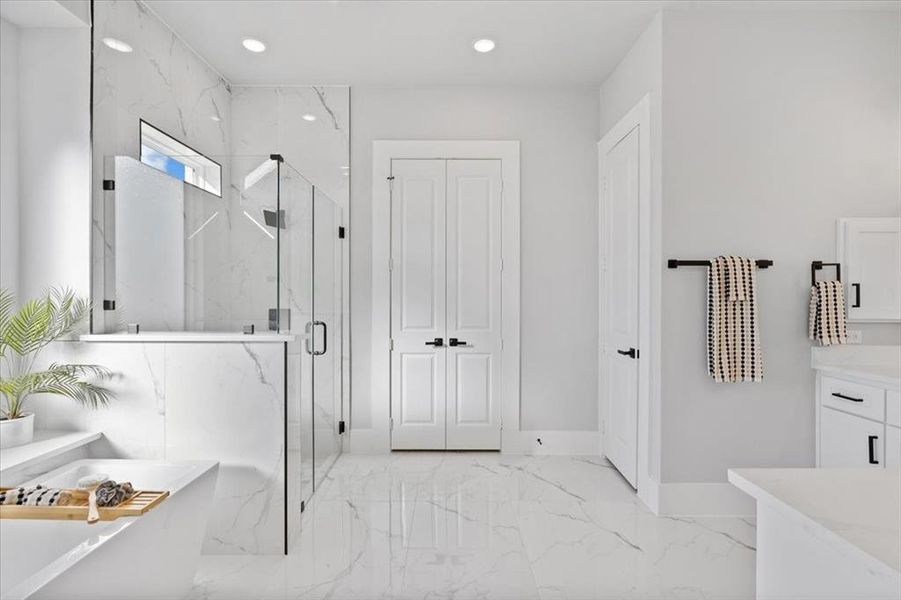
(165,153)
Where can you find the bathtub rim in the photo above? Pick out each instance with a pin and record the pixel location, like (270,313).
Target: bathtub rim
(109,530)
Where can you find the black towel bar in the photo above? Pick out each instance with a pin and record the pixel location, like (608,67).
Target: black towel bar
(818,265)
(674,263)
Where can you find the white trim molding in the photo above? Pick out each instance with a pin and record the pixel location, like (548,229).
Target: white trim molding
(566,443)
(649,278)
(377,439)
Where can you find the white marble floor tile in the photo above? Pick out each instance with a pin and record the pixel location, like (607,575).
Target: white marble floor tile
(481,525)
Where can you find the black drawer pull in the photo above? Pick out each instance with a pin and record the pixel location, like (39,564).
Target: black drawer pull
(856,287)
(843,397)
(871,447)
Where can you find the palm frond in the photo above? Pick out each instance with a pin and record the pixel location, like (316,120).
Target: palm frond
(69,311)
(28,327)
(62,380)
(7,301)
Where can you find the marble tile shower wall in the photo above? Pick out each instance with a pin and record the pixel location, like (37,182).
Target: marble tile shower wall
(194,401)
(163,82)
(230,267)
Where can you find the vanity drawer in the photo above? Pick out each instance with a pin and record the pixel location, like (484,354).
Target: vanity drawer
(864,400)
(893,408)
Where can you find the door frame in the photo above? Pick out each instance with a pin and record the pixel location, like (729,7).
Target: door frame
(648,295)
(378,439)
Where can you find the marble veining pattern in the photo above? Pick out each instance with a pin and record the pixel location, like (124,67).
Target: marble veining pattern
(193,401)
(480,525)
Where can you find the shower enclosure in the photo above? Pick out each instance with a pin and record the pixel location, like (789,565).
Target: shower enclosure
(237,244)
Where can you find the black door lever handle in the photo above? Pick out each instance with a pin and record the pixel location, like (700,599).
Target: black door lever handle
(437,342)
(456,342)
(631,352)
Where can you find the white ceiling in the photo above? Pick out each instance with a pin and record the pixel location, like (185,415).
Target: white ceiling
(40,13)
(410,43)
(425,42)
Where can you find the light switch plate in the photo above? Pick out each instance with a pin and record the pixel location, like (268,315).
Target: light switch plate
(855,336)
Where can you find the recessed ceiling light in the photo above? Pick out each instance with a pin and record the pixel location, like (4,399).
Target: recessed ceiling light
(117,45)
(483,45)
(308,117)
(254,45)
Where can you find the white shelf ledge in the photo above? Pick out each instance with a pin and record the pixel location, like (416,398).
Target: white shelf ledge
(47,444)
(212,337)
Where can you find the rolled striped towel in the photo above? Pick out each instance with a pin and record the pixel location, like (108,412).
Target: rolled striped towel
(733,335)
(827,313)
(35,496)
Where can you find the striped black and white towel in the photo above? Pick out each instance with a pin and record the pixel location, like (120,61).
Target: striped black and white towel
(733,336)
(827,313)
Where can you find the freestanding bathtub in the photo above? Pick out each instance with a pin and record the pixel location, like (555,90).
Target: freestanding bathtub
(151,556)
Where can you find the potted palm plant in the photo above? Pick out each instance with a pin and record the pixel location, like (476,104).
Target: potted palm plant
(24,333)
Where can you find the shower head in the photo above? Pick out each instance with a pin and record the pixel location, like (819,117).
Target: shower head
(271,220)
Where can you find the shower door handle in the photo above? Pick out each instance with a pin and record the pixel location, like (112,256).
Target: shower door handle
(324,338)
(311,330)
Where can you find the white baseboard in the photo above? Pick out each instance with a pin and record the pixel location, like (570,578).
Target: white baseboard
(374,441)
(703,499)
(551,442)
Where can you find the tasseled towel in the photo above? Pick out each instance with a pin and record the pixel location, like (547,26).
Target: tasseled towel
(733,337)
(827,313)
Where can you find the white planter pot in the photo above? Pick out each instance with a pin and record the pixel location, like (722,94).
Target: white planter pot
(15,432)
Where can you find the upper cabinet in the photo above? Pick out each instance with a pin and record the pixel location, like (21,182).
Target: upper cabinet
(870,252)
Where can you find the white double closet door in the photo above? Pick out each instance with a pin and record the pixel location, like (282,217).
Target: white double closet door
(446,304)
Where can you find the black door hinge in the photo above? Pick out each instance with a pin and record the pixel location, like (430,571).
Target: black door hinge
(341,233)
(340,427)
(303,505)
(109,305)
(109,185)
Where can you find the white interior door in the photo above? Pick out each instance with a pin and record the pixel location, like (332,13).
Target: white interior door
(474,304)
(620,169)
(446,304)
(418,304)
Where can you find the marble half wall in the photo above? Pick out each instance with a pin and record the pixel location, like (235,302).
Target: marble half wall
(194,401)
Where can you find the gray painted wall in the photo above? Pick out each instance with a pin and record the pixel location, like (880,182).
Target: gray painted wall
(9,156)
(557,128)
(775,125)
(772,124)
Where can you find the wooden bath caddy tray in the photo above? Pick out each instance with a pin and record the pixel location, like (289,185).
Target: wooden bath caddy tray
(137,505)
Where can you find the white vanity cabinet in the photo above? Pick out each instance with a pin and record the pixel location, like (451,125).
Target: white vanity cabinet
(857,422)
(869,250)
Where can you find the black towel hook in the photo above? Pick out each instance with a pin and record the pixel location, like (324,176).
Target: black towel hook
(818,265)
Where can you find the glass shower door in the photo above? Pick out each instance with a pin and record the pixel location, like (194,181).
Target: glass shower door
(293,313)
(327,333)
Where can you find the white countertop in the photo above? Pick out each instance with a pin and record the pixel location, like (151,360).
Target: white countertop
(879,364)
(190,336)
(860,507)
(47,443)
